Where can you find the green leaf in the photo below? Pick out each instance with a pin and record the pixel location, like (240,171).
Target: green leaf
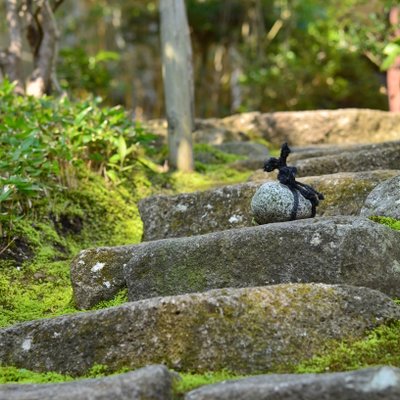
(122,150)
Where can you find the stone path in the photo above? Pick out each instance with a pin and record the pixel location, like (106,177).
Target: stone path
(241,297)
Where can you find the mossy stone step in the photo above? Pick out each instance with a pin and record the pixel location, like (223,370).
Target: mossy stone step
(349,250)
(247,330)
(377,157)
(229,207)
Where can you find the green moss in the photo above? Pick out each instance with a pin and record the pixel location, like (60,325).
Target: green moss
(380,347)
(120,298)
(189,381)
(20,375)
(390,222)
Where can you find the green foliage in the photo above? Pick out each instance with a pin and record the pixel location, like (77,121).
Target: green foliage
(191,381)
(83,74)
(120,298)
(381,347)
(20,375)
(43,142)
(390,222)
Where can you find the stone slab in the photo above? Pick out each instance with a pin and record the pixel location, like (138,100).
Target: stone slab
(97,274)
(150,383)
(369,384)
(242,330)
(349,250)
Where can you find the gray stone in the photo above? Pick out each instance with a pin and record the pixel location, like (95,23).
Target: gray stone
(197,213)
(384,200)
(243,330)
(97,274)
(150,383)
(376,157)
(350,250)
(369,384)
(273,202)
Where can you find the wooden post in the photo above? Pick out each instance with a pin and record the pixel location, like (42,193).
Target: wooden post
(393,73)
(178,83)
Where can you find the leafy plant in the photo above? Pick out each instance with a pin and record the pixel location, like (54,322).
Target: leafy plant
(44,143)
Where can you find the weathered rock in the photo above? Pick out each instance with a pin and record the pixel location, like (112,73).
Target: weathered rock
(243,330)
(150,383)
(299,128)
(368,384)
(229,207)
(384,200)
(273,202)
(350,250)
(97,274)
(379,156)
(197,213)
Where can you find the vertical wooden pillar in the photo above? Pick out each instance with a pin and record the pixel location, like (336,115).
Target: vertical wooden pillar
(178,82)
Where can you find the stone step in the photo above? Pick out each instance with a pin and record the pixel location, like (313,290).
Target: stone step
(302,153)
(380,156)
(150,383)
(368,384)
(349,250)
(229,207)
(97,274)
(246,330)
(299,128)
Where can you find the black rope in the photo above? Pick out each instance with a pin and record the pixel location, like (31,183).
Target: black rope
(287,176)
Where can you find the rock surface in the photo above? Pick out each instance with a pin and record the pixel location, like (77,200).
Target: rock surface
(299,128)
(368,384)
(379,156)
(243,330)
(197,213)
(273,202)
(150,383)
(350,250)
(384,200)
(97,274)
(229,207)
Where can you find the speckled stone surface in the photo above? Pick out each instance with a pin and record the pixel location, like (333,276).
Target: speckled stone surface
(97,274)
(380,383)
(384,200)
(273,202)
(348,250)
(243,330)
(150,383)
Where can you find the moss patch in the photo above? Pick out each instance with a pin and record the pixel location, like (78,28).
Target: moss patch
(390,222)
(380,347)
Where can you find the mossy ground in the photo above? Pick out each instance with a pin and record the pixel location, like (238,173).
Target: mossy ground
(96,213)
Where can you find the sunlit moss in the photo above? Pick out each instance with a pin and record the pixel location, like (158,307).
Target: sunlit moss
(390,222)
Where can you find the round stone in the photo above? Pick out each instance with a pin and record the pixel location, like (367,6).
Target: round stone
(273,202)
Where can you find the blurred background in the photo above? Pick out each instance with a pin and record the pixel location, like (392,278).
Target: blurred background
(265,55)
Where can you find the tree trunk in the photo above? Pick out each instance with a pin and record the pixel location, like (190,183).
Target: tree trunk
(45,56)
(10,60)
(393,73)
(178,82)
